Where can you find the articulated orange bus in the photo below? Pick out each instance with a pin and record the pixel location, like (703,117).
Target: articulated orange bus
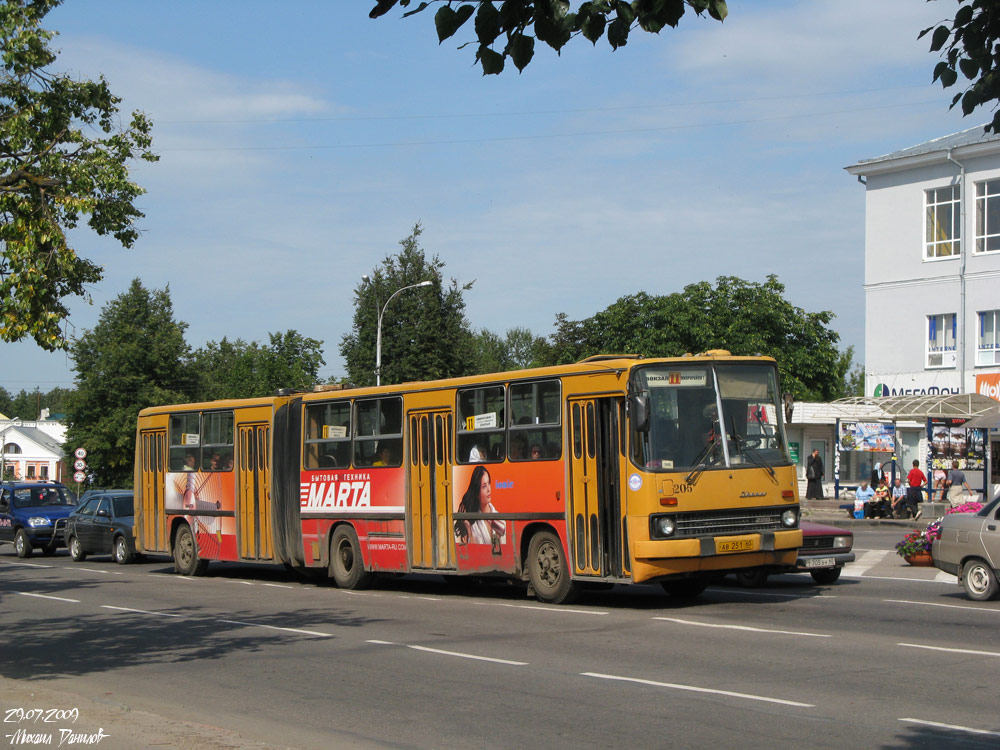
(615,469)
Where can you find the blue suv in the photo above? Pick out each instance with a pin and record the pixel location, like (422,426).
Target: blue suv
(33,514)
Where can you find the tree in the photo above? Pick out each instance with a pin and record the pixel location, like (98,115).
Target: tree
(424,331)
(517,350)
(743,317)
(29,405)
(970,47)
(517,23)
(236,369)
(134,357)
(63,156)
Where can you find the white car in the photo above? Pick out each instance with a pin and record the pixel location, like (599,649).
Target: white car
(969,548)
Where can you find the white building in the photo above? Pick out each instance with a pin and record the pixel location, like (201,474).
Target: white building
(31,449)
(932,269)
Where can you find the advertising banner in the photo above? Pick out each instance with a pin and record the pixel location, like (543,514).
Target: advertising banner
(950,441)
(879,437)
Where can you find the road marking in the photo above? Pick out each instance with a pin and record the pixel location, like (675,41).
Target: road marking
(695,689)
(275,627)
(459,654)
(425,598)
(141,611)
(741,627)
(543,609)
(951,650)
(278,585)
(355,593)
(863,564)
(946,606)
(45,596)
(956,727)
(910,580)
(946,577)
(98,570)
(755,592)
(27,565)
(245,583)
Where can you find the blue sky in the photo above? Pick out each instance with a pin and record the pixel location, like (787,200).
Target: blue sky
(300,141)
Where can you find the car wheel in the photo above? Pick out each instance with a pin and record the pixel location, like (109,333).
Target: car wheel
(22,544)
(186,560)
(979,580)
(76,550)
(752,578)
(825,576)
(548,571)
(121,552)
(685,588)
(347,568)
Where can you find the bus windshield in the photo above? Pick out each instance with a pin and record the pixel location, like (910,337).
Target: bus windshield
(709,417)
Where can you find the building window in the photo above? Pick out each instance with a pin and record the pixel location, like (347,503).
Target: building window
(12,448)
(988,343)
(45,472)
(988,216)
(944,231)
(31,471)
(941,340)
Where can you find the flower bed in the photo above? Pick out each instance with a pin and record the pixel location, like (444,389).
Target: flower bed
(920,540)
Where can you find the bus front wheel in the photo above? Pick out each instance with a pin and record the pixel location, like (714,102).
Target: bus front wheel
(186,560)
(548,571)
(347,568)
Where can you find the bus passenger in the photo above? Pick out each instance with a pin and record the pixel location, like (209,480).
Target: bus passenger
(536,452)
(384,457)
(478,499)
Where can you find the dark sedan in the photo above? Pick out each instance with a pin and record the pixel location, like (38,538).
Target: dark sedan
(824,552)
(103,525)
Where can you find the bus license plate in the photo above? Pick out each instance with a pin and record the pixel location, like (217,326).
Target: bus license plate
(821,562)
(734,545)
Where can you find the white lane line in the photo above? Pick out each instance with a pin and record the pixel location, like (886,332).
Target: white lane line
(943,577)
(98,570)
(946,606)
(956,727)
(755,592)
(244,583)
(355,593)
(910,580)
(28,565)
(425,598)
(741,627)
(278,585)
(459,654)
(44,596)
(535,607)
(228,622)
(695,689)
(968,651)
(275,627)
(863,564)
(141,611)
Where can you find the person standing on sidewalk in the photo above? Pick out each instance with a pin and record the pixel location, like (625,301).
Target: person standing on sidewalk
(814,476)
(914,494)
(959,486)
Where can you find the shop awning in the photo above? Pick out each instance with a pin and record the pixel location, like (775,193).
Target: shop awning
(946,406)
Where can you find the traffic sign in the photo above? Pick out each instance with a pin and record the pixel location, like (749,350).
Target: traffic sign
(79,477)
(79,464)
(80,453)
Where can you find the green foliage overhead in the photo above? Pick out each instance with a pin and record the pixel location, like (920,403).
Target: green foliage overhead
(425,335)
(236,369)
(134,357)
(744,317)
(63,158)
(518,349)
(969,46)
(29,405)
(508,28)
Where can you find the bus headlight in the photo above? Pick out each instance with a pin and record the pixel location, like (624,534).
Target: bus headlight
(790,518)
(665,526)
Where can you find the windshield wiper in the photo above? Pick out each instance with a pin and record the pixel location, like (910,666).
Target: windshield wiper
(700,462)
(749,451)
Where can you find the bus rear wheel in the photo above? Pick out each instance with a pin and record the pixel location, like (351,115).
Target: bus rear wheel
(186,560)
(347,567)
(548,571)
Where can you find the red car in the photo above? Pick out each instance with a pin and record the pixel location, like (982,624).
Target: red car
(824,552)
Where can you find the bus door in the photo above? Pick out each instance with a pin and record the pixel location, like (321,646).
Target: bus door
(432,542)
(595,507)
(151,516)
(253,495)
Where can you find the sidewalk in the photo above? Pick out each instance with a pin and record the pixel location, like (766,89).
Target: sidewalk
(829,512)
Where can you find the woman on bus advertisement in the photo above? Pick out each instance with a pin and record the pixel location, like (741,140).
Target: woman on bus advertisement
(478,498)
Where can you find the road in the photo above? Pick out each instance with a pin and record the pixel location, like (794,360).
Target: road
(248,656)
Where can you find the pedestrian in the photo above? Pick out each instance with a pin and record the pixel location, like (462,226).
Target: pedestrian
(862,500)
(914,494)
(814,476)
(898,499)
(879,506)
(958,486)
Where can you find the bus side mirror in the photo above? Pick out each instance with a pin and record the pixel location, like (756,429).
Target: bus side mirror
(639,412)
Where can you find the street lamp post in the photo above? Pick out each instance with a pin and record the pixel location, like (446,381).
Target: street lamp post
(378,337)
